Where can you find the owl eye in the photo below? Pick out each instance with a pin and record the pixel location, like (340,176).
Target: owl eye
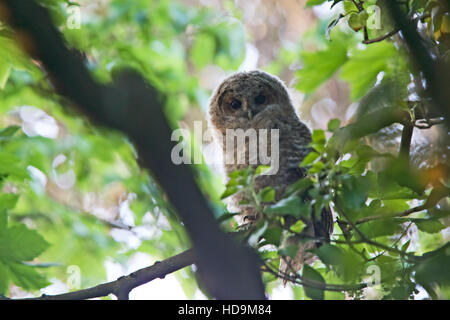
(260,99)
(236,104)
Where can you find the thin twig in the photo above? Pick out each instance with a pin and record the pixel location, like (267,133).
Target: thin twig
(369,241)
(428,123)
(298,279)
(391,215)
(395,243)
(381,38)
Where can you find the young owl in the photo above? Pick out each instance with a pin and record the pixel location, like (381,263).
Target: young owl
(257,100)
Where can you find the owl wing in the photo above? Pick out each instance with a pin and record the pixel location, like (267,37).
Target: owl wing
(321,228)
(323,224)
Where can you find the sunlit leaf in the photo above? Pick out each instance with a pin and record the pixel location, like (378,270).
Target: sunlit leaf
(311,274)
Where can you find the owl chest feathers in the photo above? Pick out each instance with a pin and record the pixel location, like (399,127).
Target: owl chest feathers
(290,148)
(250,144)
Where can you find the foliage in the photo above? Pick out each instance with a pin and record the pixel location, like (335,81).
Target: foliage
(390,215)
(376,206)
(113,209)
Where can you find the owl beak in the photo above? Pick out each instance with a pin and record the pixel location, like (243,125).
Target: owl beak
(250,115)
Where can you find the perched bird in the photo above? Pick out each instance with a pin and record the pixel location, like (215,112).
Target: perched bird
(257,100)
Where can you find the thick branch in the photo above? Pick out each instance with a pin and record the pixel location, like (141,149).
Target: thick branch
(405,144)
(122,286)
(435,71)
(228,270)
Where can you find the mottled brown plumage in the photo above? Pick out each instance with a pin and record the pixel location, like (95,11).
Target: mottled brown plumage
(258,100)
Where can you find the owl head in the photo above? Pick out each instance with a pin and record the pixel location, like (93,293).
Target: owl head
(241,97)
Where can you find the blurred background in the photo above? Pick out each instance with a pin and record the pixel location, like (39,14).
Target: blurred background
(103,215)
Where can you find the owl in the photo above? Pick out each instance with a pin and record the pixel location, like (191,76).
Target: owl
(257,100)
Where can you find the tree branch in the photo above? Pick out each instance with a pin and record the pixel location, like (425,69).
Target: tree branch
(392,33)
(405,143)
(391,215)
(365,239)
(428,123)
(300,280)
(381,38)
(435,71)
(122,286)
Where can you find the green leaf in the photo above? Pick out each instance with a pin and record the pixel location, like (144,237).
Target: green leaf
(316,167)
(3,221)
(226,216)
(273,235)
(382,227)
(24,244)
(26,276)
(229,191)
(267,195)
(357,21)
(434,270)
(5,71)
(299,186)
(334,125)
(242,173)
(354,192)
(298,226)
(11,56)
(256,235)
(405,176)
(289,251)
(261,169)
(321,65)
(429,225)
(310,158)
(318,140)
(373,59)
(330,255)
(284,206)
(312,274)
(203,50)
(311,3)
(9,131)
(8,201)
(11,165)
(406,245)
(318,136)
(4,278)
(19,244)
(389,93)
(292,205)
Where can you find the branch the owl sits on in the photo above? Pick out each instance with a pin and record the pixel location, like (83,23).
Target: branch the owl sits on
(257,100)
